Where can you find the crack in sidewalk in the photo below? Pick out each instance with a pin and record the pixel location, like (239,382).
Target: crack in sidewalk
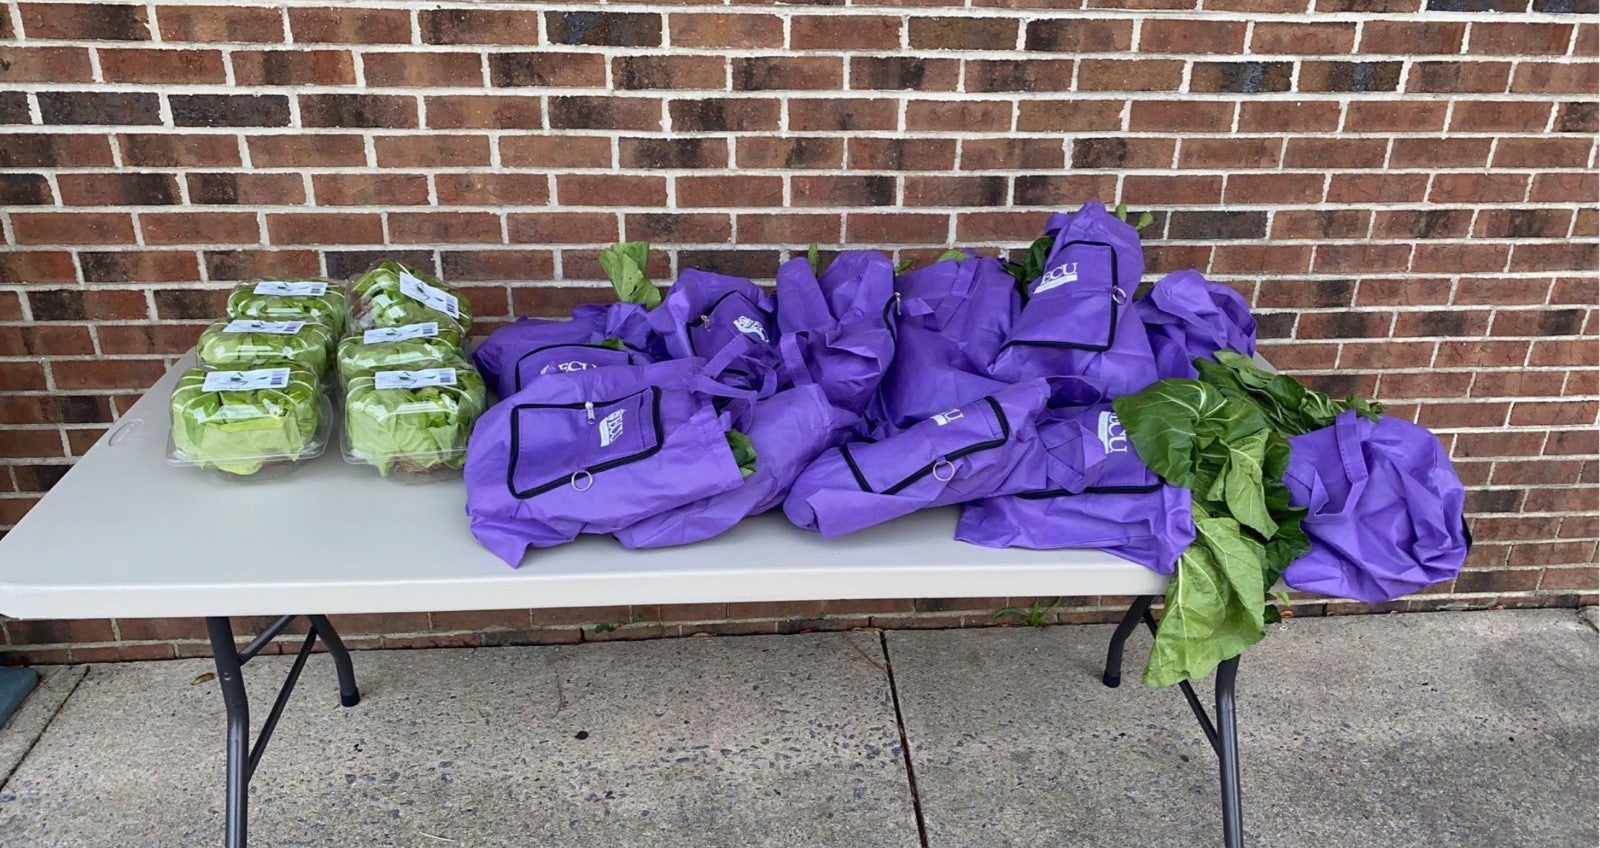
(905,742)
(40,690)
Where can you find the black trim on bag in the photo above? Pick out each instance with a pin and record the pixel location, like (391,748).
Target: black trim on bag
(516,369)
(511,471)
(1046,494)
(1005,436)
(1111,332)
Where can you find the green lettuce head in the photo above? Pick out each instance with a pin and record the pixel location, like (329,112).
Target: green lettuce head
(239,431)
(357,357)
(389,295)
(412,430)
(290,300)
(231,345)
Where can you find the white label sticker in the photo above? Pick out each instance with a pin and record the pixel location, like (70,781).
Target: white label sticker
(246,381)
(414,379)
(429,296)
(567,367)
(944,418)
(399,334)
(1112,436)
(1057,276)
(611,428)
(750,327)
(276,328)
(288,289)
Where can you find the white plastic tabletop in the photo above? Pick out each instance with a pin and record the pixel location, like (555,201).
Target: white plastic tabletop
(123,535)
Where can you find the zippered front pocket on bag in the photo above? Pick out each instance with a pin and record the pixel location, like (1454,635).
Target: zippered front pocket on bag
(730,316)
(555,445)
(1076,304)
(565,358)
(890,466)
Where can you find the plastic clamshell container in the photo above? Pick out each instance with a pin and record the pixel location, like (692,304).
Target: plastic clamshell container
(251,343)
(414,346)
(250,425)
(390,294)
(412,425)
(322,301)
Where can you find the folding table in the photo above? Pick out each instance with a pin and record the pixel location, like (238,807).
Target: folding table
(123,535)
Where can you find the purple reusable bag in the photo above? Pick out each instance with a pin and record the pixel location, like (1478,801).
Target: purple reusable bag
(954,316)
(975,450)
(1188,317)
(1385,509)
(593,452)
(727,321)
(788,431)
(834,331)
(1077,320)
(1098,494)
(514,354)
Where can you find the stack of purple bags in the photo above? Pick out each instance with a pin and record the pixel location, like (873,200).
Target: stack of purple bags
(866,396)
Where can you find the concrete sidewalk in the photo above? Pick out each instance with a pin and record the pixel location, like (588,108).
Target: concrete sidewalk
(1460,729)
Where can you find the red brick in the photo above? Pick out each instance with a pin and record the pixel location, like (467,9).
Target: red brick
(1422,223)
(199,228)
(897,228)
(1231,153)
(1076,35)
(431,151)
(1519,39)
(1173,190)
(1287,187)
(220,23)
(789,228)
(1302,38)
(972,115)
(1500,116)
(678,227)
(1544,153)
(298,66)
(37,266)
(838,114)
(139,266)
(478,26)
(808,190)
(1366,116)
(157,339)
(1439,152)
(989,75)
(963,33)
(544,151)
(1565,187)
(1377,188)
(72,227)
(728,192)
(107,373)
(565,70)
(1522,223)
(1261,259)
(1405,38)
(610,190)
(668,72)
(850,32)
(1450,77)
(1061,115)
(370,189)
(1556,78)
(1572,256)
(46,64)
(1176,35)
(350,26)
(930,191)
(480,189)
(490,112)
(513,265)
(1471,258)
(245,189)
(1289,116)
(789,153)
(443,227)
(563,228)
(325,228)
(1129,75)
(75,22)
(726,30)
(1180,116)
(1489,187)
(307,151)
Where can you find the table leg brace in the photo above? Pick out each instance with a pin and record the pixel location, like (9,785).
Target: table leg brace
(242,756)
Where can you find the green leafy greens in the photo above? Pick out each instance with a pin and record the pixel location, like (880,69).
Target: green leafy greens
(327,308)
(356,357)
(310,346)
(413,430)
(240,431)
(376,300)
(625,265)
(744,452)
(1225,437)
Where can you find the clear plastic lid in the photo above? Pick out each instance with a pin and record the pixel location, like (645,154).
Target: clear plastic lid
(409,423)
(413,346)
(248,423)
(291,300)
(393,295)
(249,343)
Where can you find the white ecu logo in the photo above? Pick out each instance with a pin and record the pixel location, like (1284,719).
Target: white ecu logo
(750,327)
(611,428)
(1112,436)
(1057,276)
(560,367)
(944,418)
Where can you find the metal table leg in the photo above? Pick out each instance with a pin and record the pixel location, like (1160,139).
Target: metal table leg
(1223,734)
(243,757)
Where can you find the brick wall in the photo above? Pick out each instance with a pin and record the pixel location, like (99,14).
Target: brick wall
(1405,188)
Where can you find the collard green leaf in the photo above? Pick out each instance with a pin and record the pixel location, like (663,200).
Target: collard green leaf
(957,254)
(624,265)
(744,452)
(1243,490)
(1207,619)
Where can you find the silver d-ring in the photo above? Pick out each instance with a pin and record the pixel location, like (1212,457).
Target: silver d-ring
(1118,296)
(586,477)
(950,470)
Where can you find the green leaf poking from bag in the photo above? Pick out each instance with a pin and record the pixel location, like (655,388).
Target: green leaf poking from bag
(625,263)
(1225,438)
(744,452)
